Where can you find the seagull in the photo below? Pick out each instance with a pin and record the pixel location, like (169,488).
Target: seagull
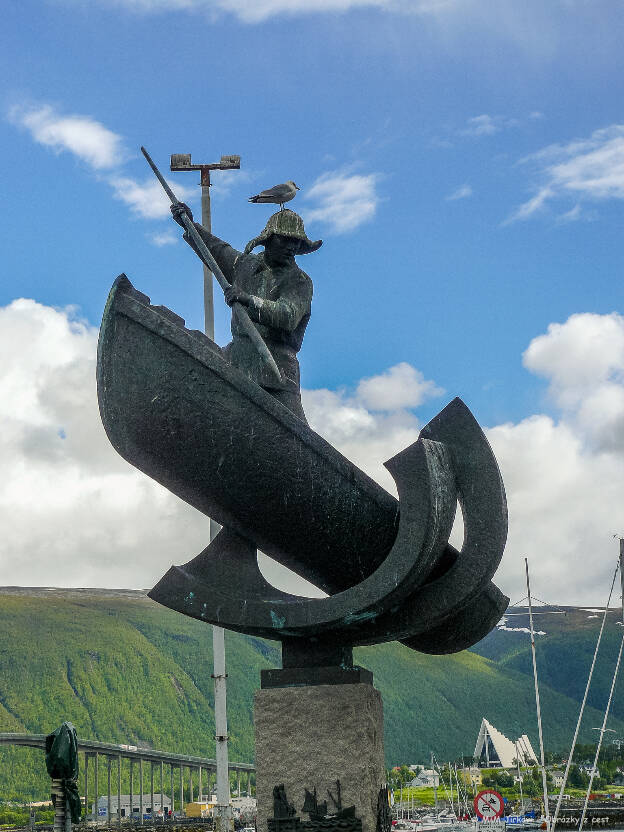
(278,194)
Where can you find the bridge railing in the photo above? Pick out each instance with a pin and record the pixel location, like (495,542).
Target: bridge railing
(168,775)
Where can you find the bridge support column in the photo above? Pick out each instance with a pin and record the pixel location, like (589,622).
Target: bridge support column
(86,784)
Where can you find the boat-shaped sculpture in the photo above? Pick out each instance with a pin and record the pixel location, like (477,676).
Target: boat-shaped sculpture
(173,407)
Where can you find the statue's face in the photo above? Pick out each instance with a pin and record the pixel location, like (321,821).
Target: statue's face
(278,246)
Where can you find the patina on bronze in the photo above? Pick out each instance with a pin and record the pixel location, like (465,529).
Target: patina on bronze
(174,407)
(227,434)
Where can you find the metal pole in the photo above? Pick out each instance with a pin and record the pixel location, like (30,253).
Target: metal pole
(519,781)
(606,713)
(537,699)
(86,790)
(131,789)
(218,634)
(97,789)
(181,789)
(221,736)
(199,777)
(162,789)
(223,812)
(141,789)
(119,790)
(602,733)
(109,806)
(208,281)
(587,686)
(172,791)
(152,790)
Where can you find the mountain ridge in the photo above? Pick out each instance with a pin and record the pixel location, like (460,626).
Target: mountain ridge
(124,669)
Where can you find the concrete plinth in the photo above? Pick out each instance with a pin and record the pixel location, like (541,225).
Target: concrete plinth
(311,736)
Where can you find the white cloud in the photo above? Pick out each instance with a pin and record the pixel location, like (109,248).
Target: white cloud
(102,150)
(256,11)
(366,438)
(483,125)
(147,199)
(344,201)
(74,513)
(164,238)
(565,478)
(402,386)
(462,192)
(590,169)
(82,136)
(583,361)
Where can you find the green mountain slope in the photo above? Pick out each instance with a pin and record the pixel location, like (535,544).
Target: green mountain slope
(124,669)
(564,652)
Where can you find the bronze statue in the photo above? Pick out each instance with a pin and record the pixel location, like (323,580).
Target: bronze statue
(216,427)
(276,293)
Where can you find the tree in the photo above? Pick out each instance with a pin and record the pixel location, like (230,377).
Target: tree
(531,787)
(577,778)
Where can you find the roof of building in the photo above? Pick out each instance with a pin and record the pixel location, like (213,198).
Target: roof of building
(503,748)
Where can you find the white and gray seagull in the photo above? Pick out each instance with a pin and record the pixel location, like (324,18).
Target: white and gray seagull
(278,194)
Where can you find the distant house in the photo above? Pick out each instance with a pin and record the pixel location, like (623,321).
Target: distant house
(494,750)
(471,776)
(557,777)
(426,777)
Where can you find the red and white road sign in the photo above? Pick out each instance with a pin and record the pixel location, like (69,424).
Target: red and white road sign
(488,804)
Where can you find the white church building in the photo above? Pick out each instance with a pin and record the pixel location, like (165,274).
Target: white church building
(494,750)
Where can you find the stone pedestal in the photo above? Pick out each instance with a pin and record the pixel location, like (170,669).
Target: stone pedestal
(309,736)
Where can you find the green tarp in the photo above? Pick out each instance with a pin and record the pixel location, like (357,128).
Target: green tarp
(61,747)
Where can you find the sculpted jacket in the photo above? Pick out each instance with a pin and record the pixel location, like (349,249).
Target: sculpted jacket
(280,307)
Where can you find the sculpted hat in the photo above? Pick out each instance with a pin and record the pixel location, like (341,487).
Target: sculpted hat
(288,224)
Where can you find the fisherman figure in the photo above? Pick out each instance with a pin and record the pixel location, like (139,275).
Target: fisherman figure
(277,295)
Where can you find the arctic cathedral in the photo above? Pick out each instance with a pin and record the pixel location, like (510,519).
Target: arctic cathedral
(494,750)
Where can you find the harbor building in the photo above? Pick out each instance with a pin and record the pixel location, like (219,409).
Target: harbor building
(126,810)
(494,750)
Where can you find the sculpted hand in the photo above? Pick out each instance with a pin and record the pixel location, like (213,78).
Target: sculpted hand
(179,208)
(233,295)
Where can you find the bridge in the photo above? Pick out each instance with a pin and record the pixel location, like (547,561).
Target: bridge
(129,763)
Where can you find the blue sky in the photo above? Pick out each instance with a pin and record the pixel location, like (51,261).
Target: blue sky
(463,161)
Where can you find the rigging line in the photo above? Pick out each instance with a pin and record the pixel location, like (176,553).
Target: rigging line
(548,604)
(580,716)
(537,699)
(516,603)
(541,600)
(602,733)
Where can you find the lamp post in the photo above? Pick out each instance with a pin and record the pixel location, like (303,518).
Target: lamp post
(180,162)
(223,819)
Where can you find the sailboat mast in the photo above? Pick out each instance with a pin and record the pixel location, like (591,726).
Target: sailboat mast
(519,780)
(537,698)
(587,687)
(622,574)
(603,727)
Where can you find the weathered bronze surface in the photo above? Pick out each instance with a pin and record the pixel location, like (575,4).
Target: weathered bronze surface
(177,410)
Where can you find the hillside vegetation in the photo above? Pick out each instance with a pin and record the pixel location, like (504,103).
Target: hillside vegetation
(123,669)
